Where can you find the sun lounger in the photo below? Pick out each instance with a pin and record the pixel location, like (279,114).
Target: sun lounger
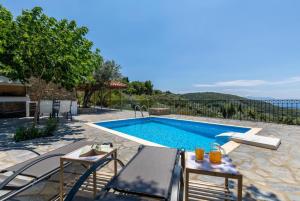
(154,172)
(23,175)
(254,140)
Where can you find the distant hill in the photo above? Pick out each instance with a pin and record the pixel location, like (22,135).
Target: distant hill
(211,96)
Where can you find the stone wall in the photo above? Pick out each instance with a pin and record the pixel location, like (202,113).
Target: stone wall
(12,109)
(12,90)
(51,91)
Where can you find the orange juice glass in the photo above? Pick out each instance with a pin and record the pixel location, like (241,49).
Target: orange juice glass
(199,152)
(215,156)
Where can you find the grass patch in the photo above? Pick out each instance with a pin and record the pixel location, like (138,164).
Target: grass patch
(32,132)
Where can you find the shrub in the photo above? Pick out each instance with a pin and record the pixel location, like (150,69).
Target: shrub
(50,126)
(24,133)
(32,132)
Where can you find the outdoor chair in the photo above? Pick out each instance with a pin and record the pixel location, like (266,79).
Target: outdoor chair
(38,169)
(55,108)
(69,113)
(153,173)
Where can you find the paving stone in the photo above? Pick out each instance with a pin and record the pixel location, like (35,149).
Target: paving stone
(268,175)
(262,173)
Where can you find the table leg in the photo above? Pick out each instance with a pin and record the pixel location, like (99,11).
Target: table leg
(226,186)
(240,189)
(186,186)
(94,183)
(61,180)
(115,163)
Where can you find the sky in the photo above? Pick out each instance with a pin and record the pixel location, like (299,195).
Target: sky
(247,48)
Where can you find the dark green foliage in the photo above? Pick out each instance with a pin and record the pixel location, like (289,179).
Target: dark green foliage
(211,96)
(148,87)
(251,114)
(239,108)
(125,80)
(32,132)
(228,110)
(104,73)
(140,88)
(24,133)
(50,50)
(51,126)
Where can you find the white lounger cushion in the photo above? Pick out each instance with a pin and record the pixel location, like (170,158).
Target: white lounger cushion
(255,140)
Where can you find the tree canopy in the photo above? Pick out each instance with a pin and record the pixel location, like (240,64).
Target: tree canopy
(7,25)
(47,49)
(139,88)
(105,72)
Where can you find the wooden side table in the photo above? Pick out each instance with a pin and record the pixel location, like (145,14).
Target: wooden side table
(88,161)
(197,190)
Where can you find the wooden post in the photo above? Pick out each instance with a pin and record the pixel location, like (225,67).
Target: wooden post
(121,104)
(61,179)
(240,188)
(95,184)
(115,163)
(186,187)
(110,97)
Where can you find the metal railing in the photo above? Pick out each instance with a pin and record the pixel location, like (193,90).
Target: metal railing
(275,111)
(138,108)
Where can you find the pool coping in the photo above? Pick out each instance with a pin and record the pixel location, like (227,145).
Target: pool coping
(228,147)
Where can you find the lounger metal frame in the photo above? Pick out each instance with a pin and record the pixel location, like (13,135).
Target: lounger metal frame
(175,184)
(19,172)
(35,180)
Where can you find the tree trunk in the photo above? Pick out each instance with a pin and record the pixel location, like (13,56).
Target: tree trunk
(37,111)
(41,87)
(102,97)
(40,92)
(87,96)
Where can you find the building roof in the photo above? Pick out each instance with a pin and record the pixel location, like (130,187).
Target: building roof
(110,85)
(6,81)
(116,85)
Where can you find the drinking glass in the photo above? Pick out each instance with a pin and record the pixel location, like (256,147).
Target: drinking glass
(215,154)
(199,152)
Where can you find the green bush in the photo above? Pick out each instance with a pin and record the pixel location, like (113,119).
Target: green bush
(50,126)
(24,133)
(32,132)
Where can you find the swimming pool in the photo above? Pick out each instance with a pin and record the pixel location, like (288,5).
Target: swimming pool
(171,132)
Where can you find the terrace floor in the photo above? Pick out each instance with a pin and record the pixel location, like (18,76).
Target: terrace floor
(268,175)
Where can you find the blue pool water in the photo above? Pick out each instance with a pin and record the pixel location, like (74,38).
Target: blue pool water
(172,132)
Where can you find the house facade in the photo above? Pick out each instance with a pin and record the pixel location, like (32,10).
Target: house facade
(19,100)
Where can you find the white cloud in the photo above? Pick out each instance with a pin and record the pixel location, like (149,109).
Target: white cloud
(234,83)
(249,83)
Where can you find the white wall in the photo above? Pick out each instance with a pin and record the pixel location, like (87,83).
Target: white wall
(14,99)
(46,107)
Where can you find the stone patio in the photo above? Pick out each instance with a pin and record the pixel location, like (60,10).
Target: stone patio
(268,175)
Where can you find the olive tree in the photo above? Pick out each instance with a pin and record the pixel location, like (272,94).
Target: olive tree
(48,50)
(105,72)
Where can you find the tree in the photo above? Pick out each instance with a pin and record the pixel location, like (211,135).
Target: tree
(228,110)
(149,87)
(48,50)
(7,25)
(105,72)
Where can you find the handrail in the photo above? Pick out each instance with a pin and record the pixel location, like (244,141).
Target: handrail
(140,109)
(144,106)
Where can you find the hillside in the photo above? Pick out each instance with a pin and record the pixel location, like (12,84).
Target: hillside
(211,96)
